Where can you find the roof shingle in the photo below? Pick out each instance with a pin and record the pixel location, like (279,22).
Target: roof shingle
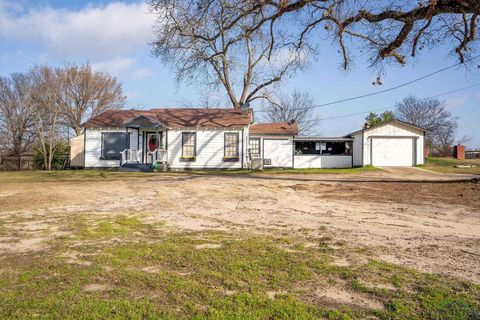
(274,128)
(175,118)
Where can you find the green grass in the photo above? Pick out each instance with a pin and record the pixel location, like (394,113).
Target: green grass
(2,227)
(287,171)
(140,271)
(111,175)
(447,165)
(104,228)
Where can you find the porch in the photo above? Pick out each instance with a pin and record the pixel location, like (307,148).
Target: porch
(150,146)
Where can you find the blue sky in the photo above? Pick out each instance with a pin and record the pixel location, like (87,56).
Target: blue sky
(113,36)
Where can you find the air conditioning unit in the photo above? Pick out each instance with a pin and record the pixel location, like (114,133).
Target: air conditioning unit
(257,164)
(267,162)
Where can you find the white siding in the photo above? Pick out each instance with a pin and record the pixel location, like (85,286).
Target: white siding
(279,151)
(93,147)
(307,161)
(394,130)
(357,150)
(210,150)
(318,161)
(336,162)
(281,159)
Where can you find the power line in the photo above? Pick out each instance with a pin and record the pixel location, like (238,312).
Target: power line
(392,88)
(395,87)
(381,109)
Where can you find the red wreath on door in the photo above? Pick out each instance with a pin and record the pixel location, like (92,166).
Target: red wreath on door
(152,143)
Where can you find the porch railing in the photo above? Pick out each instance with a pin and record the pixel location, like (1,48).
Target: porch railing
(131,156)
(159,155)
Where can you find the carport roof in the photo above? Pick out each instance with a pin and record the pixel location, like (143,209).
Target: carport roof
(318,138)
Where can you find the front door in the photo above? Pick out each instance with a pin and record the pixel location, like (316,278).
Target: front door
(151,145)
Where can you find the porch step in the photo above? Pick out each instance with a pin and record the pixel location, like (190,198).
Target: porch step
(136,167)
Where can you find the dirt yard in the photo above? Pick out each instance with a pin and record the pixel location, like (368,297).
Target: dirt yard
(412,218)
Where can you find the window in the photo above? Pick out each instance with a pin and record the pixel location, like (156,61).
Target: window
(307,147)
(231,145)
(189,144)
(323,148)
(112,144)
(254,146)
(335,148)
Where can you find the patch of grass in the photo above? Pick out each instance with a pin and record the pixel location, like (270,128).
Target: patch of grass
(104,228)
(68,176)
(335,171)
(2,227)
(286,171)
(213,275)
(447,165)
(91,175)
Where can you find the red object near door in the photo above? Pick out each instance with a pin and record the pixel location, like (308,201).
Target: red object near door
(152,143)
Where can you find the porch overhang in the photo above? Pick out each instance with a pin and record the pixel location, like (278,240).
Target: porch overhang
(144,122)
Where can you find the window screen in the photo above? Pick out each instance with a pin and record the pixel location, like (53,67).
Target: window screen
(254,146)
(189,141)
(306,147)
(231,145)
(112,144)
(335,148)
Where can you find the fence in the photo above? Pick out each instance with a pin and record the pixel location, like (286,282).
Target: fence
(472,154)
(24,162)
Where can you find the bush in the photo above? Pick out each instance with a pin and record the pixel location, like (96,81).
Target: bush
(60,156)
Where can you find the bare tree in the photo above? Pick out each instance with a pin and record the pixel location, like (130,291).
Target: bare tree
(430,114)
(226,42)
(212,43)
(16,120)
(464,139)
(85,94)
(297,107)
(47,112)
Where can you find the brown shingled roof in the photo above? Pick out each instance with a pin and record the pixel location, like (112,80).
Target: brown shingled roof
(274,128)
(175,118)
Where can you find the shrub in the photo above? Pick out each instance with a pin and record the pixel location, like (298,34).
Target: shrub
(59,159)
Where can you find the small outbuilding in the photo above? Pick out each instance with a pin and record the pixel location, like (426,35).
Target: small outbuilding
(391,144)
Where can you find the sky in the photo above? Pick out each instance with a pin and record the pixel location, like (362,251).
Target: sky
(114,37)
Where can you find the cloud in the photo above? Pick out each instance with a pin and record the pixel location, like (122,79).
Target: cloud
(94,32)
(143,73)
(283,56)
(115,66)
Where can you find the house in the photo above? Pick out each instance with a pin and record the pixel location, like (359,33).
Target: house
(229,139)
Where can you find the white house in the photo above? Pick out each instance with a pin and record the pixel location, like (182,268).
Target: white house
(228,139)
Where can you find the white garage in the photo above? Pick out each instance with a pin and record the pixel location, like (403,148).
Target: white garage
(393,152)
(391,144)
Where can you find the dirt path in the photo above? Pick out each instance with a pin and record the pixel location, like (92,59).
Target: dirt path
(432,225)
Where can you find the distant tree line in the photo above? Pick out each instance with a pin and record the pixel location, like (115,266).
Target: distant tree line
(430,114)
(41,107)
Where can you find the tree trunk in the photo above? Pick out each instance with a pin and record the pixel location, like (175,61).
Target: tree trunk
(78,131)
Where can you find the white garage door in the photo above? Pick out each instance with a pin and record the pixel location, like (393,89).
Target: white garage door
(278,152)
(392,152)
